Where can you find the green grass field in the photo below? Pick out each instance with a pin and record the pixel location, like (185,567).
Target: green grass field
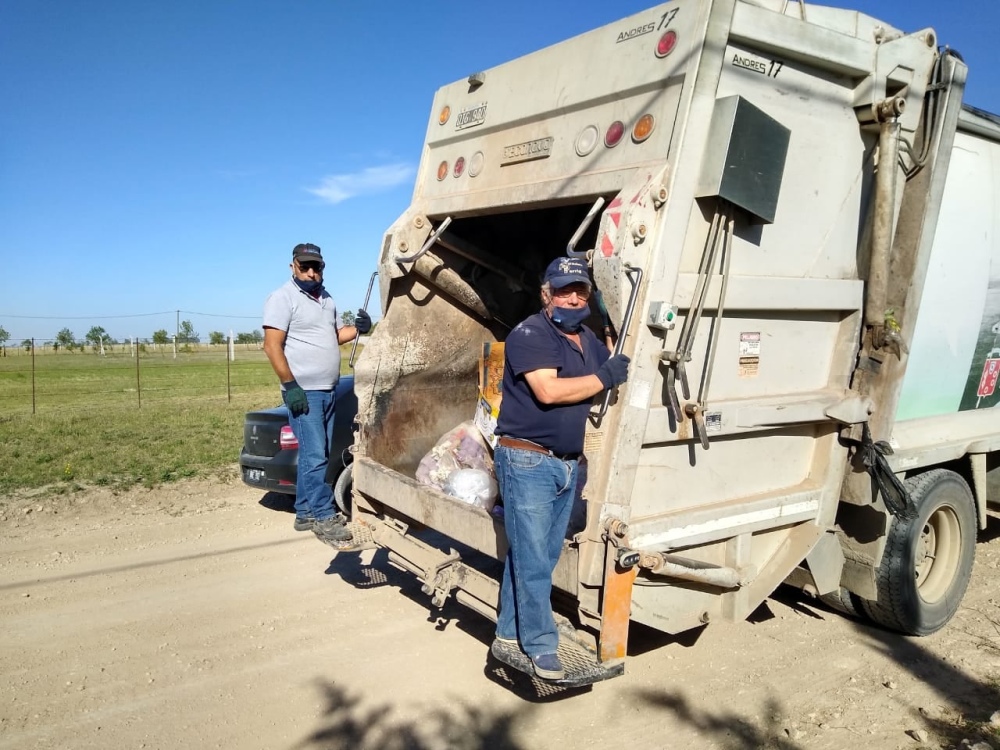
(98,421)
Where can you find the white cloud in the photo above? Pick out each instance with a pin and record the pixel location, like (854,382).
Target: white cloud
(335,188)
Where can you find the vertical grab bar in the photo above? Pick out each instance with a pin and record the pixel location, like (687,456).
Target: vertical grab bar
(371,282)
(630,270)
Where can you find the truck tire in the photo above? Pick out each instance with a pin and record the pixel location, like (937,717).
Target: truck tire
(342,490)
(845,602)
(928,559)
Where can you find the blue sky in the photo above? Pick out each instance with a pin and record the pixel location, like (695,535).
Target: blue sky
(157,157)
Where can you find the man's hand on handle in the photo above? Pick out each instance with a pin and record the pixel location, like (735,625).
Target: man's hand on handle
(614,371)
(362,322)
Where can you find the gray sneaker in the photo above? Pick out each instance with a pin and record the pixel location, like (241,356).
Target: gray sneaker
(304,524)
(333,529)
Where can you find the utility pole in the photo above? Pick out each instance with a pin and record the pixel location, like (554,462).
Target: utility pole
(177,330)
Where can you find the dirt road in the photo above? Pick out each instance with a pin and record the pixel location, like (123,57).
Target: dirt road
(194,616)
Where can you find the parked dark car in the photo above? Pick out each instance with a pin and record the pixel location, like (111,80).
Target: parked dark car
(270,456)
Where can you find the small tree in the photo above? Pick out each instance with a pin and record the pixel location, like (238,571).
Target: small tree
(161,337)
(26,345)
(187,334)
(96,337)
(65,339)
(216,337)
(4,336)
(347,317)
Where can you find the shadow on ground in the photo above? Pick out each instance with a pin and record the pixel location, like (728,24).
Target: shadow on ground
(278,501)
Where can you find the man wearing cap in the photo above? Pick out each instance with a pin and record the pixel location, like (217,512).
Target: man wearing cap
(302,342)
(554,366)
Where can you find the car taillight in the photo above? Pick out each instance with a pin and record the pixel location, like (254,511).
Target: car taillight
(459,166)
(442,170)
(287,439)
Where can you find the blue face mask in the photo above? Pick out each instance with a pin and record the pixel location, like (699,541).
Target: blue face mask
(311,286)
(569,319)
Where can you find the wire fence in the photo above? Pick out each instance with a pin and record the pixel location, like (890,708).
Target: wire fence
(42,378)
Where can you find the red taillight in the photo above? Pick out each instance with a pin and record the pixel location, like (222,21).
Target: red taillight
(666,44)
(287,440)
(615,132)
(459,166)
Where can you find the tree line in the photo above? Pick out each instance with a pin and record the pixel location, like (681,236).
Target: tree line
(97,338)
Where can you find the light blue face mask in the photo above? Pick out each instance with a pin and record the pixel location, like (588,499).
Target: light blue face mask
(312,286)
(570,319)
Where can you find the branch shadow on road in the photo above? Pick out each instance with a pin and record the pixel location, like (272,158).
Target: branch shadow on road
(346,723)
(349,722)
(969,702)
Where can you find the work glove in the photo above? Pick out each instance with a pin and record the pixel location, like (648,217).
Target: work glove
(295,398)
(363,322)
(614,371)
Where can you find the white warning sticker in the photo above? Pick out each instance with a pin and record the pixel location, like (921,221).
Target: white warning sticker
(750,344)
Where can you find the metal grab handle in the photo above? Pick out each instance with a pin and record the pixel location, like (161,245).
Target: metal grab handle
(427,245)
(571,247)
(371,283)
(598,416)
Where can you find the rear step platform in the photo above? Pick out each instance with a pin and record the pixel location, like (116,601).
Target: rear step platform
(361,539)
(582,667)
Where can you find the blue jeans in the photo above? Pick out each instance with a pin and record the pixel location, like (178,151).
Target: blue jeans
(538,493)
(314,431)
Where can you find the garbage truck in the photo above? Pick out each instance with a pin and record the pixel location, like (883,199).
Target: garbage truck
(791,215)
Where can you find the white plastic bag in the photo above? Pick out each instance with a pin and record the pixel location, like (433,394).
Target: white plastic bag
(473,486)
(460,448)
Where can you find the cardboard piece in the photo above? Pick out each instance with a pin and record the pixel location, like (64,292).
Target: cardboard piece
(490,390)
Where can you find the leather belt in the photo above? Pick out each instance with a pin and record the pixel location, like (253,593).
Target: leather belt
(527,445)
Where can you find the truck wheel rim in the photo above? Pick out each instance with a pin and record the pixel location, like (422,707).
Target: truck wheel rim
(938,551)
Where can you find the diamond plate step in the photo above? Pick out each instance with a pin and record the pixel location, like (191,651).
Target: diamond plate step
(582,667)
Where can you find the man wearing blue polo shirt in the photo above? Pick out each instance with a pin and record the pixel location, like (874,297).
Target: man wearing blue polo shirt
(302,342)
(554,366)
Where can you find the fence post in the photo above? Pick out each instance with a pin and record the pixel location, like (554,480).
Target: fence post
(32,375)
(138,382)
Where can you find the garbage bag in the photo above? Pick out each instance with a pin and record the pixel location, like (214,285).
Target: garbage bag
(473,486)
(460,448)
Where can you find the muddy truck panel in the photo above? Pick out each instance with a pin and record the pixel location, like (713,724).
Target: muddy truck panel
(772,204)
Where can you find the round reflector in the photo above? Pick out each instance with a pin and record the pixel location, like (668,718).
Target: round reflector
(445,114)
(442,170)
(476,163)
(666,44)
(642,128)
(587,140)
(459,166)
(615,132)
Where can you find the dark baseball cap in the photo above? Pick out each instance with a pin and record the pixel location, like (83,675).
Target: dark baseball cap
(307,253)
(564,271)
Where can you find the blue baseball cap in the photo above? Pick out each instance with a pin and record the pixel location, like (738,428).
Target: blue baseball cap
(565,271)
